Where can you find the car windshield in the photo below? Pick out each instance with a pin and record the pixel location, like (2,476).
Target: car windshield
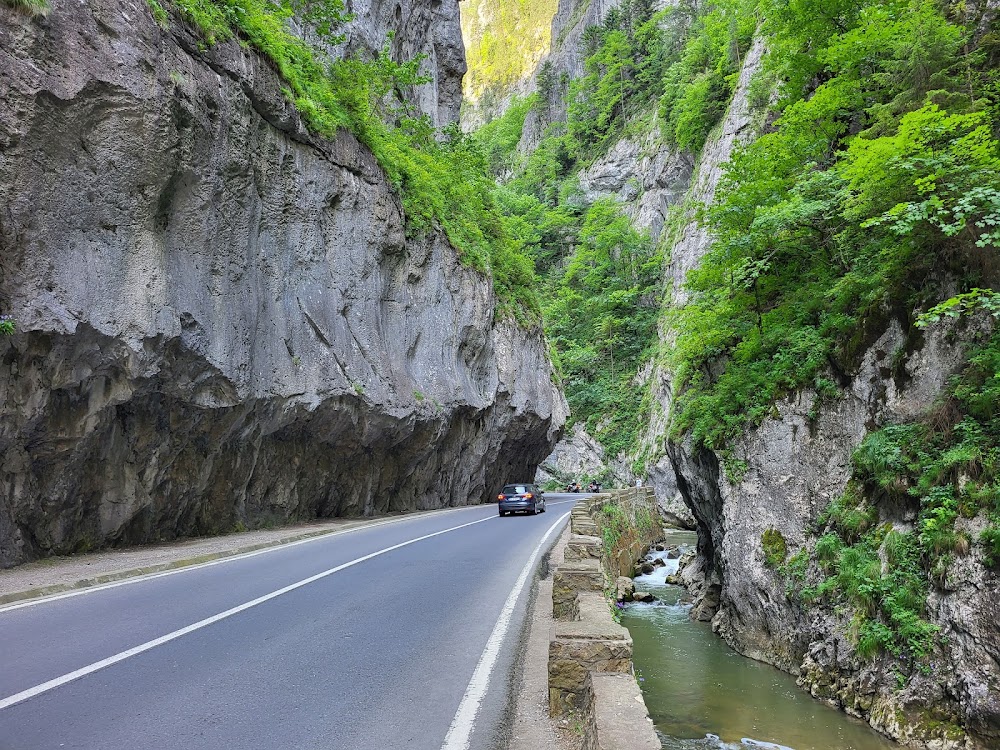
(516,489)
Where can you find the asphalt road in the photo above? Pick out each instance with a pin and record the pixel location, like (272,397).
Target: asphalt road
(402,635)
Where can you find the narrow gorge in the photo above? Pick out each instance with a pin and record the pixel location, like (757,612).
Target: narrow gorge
(816,183)
(265,261)
(223,319)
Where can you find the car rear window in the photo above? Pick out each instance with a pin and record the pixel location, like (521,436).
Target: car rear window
(515,489)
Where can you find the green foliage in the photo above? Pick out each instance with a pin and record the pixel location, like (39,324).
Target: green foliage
(443,181)
(775,548)
(685,58)
(945,466)
(7,325)
(828,549)
(504,42)
(613,524)
(623,521)
(30,7)
(698,81)
(601,314)
(888,598)
(795,570)
(879,174)
(990,539)
(602,279)
(948,464)
(160,14)
(499,137)
(962,304)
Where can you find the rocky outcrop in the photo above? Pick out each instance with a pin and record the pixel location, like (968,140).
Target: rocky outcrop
(779,477)
(687,246)
(792,466)
(565,62)
(576,456)
(694,240)
(646,177)
(221,319)
(431,30)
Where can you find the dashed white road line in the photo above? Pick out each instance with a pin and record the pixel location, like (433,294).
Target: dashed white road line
(91,668)
(220,561)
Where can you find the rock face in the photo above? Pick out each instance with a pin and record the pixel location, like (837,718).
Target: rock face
(565,60)
(796,463)
(420,28)
(694,241)
(645,177)
(577,455)
(780,477)
(665,176)
(221,320)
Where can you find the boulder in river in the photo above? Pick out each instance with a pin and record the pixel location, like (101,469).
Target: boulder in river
(625,588)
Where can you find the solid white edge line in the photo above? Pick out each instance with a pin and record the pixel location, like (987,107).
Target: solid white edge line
(229,558)
(460,732)
(91,668)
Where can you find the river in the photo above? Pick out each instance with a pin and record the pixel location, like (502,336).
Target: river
(701,694)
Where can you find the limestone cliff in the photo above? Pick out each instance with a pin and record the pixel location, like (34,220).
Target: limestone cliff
(418,28)
(782,475)
(504,44)
(221,319)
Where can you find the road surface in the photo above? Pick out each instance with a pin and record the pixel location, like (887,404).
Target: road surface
(400,635)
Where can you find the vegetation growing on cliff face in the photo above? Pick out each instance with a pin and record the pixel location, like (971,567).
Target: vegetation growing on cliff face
(681,62)
(504,43)
(31,7)
(941,469)
(601,278)
(878,180)
(442,178)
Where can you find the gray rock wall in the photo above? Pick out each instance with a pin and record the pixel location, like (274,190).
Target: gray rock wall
(423,28)
(796,463)
(646,177)
(781,476)
(221,320)
(686,247)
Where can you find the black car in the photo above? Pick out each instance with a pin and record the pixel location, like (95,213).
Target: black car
(521,498)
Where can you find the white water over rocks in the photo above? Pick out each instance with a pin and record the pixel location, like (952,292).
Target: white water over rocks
(702,695)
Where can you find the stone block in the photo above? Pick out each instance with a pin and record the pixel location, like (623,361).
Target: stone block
(584,527)
(617,718)
(578,648)
(582,547)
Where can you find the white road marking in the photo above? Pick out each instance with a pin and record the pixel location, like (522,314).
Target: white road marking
(219,561)
(460,732)
(91,668)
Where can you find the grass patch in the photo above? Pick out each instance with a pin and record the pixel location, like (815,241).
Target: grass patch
(775,548)
(29,7)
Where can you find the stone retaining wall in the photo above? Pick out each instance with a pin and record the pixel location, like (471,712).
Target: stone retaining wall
(590,655)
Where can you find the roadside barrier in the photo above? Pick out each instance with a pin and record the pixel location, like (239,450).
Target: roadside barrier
(591,676)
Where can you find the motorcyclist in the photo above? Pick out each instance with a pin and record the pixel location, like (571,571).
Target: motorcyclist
(593,486)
